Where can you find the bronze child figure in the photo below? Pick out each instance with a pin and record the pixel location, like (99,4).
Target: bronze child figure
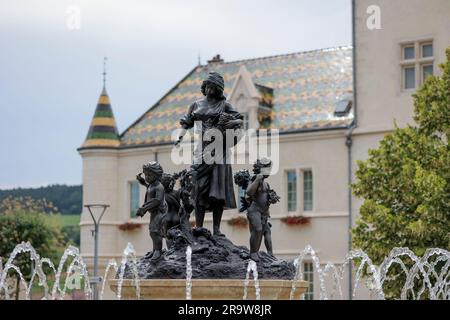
(171,218)
(258,197)
(154,203)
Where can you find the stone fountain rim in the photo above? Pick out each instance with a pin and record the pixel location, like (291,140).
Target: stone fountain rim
(209,282)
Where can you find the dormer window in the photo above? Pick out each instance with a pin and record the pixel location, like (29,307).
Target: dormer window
(252,100)
(343,107)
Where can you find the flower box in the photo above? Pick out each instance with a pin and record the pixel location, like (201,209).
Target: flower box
(129,226)
(296,220)
(240,222)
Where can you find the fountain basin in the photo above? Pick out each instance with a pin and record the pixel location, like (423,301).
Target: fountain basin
(208,289)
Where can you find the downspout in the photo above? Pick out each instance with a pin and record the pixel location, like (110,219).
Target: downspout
(349,144)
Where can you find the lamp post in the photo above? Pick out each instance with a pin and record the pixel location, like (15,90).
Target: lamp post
(96,279)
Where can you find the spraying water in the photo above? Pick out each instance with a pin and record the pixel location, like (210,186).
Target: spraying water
(252,267)
(112,263)
(76,264)
(422,272)
(188,273)
(37,269)
(425,277)
(129,254)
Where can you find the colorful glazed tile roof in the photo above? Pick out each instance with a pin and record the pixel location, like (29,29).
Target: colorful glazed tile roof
(103,130)
(302,88)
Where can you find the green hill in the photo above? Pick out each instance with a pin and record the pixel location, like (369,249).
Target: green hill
(68,199)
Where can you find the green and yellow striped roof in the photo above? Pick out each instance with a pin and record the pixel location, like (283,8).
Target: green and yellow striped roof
(103,130)
(303,89)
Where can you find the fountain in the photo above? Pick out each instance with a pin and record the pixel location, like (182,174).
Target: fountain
(188,273)
(37,262)
(200,264)
(129,255)
(252,267)
(429,273)
(213,268)
(112,263)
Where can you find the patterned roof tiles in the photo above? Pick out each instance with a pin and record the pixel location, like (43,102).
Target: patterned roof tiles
(103,130)
(303,89)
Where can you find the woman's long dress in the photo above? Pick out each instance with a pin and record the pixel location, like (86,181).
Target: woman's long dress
(213,182)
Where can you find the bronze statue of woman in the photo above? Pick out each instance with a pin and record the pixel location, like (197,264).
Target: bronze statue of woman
(213,182)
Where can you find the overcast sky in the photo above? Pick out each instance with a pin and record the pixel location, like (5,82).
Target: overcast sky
(50,70)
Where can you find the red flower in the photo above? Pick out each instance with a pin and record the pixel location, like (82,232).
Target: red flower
(129,226)
(296,220)
(238,222)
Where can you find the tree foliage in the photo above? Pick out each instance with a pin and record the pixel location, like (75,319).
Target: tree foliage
(67,199)
(405,183)
(22,221)
(11,205)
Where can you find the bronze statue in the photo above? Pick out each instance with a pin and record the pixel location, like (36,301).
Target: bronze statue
(176,222)
(171,219)
(186,205)
(212,257)
(154,203)
(259,196)
(212,182)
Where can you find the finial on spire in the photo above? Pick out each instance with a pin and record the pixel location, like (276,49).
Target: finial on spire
(104,71)
(199,59)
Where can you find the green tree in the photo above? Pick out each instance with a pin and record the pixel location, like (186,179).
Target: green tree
(405,183)
(20,221)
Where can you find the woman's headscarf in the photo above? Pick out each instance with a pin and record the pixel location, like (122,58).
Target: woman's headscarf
(217,79)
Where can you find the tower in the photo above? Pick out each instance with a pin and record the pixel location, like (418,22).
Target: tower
(99,154)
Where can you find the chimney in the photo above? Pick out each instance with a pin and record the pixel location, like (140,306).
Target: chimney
(216,59)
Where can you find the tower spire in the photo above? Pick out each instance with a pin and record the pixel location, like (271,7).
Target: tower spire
(103,131)
(104,71)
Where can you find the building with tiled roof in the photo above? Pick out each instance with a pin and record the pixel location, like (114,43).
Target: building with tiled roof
(330,107)
(306,96)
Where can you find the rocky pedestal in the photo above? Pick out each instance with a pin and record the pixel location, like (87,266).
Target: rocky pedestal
(218,272)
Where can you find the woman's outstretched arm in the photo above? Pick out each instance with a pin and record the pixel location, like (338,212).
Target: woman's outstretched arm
(186,123)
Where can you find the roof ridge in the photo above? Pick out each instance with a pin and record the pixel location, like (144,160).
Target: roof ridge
(289,54)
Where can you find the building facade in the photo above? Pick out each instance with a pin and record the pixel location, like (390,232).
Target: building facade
(330,106)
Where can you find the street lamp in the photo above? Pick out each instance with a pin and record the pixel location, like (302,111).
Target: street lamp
(96,279)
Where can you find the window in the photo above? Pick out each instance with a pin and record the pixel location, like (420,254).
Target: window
(408,53)
(134,198)
(427,50)
(343,107)
(416,63)
(308,275)
(410,77)
(291,191)
(307,190)
(427,70)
